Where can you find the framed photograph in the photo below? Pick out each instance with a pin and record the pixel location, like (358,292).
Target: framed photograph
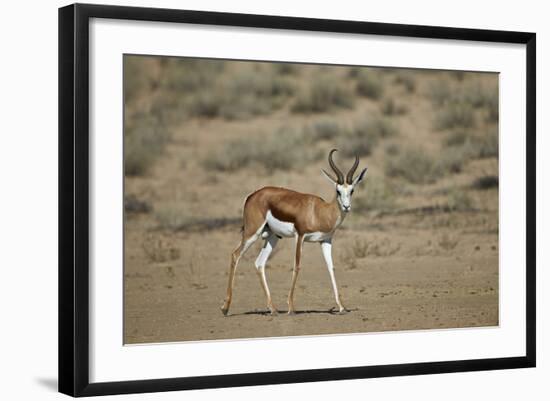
(251,199)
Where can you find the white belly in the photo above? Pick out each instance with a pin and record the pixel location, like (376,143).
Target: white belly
(280,228)
(317,236)
(286,229)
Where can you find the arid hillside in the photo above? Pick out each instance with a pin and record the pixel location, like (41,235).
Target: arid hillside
(418,251)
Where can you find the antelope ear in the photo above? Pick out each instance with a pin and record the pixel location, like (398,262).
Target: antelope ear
(327,175)
(360,177)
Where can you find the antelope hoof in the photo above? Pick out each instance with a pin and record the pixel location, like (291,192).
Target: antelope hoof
(273,312)
(291,312)
(343,311)
(225,311)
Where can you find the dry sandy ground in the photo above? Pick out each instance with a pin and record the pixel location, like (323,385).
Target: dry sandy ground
(411,289)
(398,271)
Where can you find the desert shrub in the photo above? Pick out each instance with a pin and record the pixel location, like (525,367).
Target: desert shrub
(379,127)
(353,72)
(493,109)
(285,68)
(325,129)
(144,140)
(205,104)
(458,75)
(323,95)
(392,149)
(457,138)
(452,161)
(259,84)
(132,204)
(244,95)
(392,108)
(365,134)
(234,156)
(369,84)
(283,151)
(485,182)
(481,146)
(188,75)
(461,102)
(359,248)
(459,200)
(439,93)
(287,148)
(406,78)
(413,165)
(137,77)
(477,95)
(206,89)
(485,146)
(455,115)
(358,145)
(378,195)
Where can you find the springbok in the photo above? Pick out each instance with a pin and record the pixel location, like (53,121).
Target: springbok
(273,213)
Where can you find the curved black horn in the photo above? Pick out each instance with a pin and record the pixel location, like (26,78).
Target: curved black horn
(339,175)
(351,172)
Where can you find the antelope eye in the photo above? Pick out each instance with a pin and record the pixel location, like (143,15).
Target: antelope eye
(338,192)
(351,193)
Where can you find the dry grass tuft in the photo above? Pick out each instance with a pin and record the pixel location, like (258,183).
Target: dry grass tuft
(447,242)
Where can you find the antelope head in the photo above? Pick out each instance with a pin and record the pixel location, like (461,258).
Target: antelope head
(344,188)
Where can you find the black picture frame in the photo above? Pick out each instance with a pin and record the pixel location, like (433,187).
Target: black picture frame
(74,198)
